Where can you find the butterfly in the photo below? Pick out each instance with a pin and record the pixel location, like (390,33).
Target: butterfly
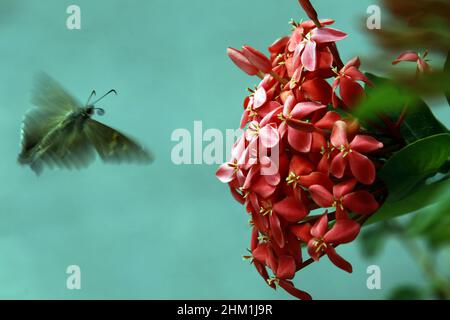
(60,132)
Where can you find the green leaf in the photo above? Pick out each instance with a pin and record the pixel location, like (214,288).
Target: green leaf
(407,292)
(422,197)
(420,123)
(390,98)
(372,240)
(414,163)
(433,222)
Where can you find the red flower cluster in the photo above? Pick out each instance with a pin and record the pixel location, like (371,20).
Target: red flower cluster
(299,154)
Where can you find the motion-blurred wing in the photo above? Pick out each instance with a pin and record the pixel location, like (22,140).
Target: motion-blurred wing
(53,104)
(113,146)
(67,148)
(50,95)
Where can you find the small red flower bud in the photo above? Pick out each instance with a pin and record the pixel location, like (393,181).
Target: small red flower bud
(257,59)
(242,62)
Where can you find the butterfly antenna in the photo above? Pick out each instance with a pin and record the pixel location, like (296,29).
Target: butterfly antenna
(106,94)
(90,97)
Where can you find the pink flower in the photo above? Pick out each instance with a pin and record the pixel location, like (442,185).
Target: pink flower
(347,80)
(257,59)
(305,46)
(299,131)
(361,167)
(422,62)
(322,240)
(242,62)
(344,198)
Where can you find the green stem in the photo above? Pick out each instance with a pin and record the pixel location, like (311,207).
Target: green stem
(447,70)
(439,286)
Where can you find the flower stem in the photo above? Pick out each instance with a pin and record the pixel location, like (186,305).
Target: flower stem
(438,285)
(312,14)
(278,78)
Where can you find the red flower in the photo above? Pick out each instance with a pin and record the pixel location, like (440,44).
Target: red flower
(229,172)
(422,62)
(305,46)
(242,62)
(302,174)
(347,79)
(258,59)
(299,129)
(344,198)
(361,166)
(283,267)
(322,240)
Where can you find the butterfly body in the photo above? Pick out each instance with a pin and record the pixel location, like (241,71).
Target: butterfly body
(60,132)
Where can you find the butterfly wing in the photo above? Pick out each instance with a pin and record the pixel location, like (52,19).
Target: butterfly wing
(113,146)
(68,148)
(50,95)
(53,104)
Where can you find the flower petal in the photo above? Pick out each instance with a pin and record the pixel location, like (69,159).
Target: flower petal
(260,253)
(361,202)
(344,188)
(300,166)
(277,232)
(263,272)
(318,89)
(364,144)
(337,260)
(289,104)
(286,267)
(299,140)
(257,58)
(324,164)
(316,178)
(362,167)
(312,250)
(357,75)
(302,231)
(262,188)
(300,125)
(242,62)
(343,231)
(351,91)
(321,196)
(291,209)
(309,59)
(269,136)
(407,56)
(339,134)
(328,120)
(338,165)
(324,35)
(278,45)
(320,227)
(289,287)
(259,98)
(226,173)
(304,109)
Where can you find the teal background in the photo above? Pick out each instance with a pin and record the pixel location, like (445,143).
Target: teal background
(162,231)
